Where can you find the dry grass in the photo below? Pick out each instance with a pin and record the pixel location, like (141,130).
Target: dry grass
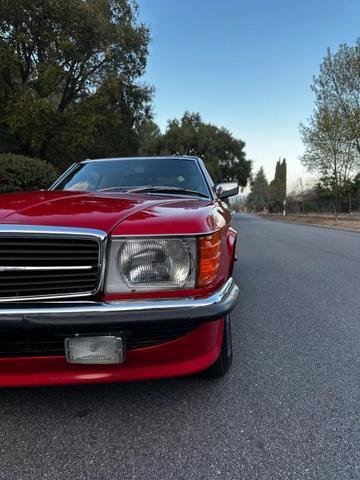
(352,223)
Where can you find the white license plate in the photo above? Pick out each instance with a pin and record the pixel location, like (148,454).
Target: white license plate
(102,350)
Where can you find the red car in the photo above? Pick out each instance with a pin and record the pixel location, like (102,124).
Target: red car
(121,271)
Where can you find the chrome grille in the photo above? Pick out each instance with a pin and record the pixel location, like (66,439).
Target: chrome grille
(39,264)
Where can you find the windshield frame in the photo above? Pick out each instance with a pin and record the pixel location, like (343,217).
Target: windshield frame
(75,166)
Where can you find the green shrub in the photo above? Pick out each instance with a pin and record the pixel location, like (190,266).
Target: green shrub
(18,173)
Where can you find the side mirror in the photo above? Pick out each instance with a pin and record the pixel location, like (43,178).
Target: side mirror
(227,189)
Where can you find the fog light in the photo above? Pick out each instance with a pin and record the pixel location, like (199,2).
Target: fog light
(94,350)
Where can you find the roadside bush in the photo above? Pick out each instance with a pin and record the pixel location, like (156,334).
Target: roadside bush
(18,173)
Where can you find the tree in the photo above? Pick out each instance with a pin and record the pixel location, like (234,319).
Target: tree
(355,187)
(223,154)
(299,192)
(69,77)
(338,87)
(258,197)
(303,197)
(329,154)
(277,187)
(332,134)
(149,138)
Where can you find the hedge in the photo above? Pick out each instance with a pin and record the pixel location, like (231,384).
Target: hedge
(18,173)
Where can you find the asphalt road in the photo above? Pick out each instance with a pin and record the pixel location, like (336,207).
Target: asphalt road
(289,408)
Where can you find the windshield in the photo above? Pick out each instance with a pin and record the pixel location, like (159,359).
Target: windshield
(129,174)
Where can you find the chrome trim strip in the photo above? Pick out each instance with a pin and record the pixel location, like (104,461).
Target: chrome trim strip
(153,157)
(47,297)
(206,177)
(39,231)
(165,235)
(49,230)
(209,307)
(63,175)
(41,269)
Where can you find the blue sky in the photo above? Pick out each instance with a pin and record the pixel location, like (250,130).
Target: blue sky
(245,65)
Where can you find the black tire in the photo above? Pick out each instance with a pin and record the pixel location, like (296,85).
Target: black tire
(224,361)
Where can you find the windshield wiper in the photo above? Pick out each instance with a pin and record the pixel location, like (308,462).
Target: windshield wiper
(164,189)
(119,189)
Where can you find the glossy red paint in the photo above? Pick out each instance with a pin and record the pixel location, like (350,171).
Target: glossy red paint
(184,217)
(103,211)
(116,213)
(187,355)
(125,215)
(231,245)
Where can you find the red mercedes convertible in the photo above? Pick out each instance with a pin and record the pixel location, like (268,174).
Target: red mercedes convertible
(121,271)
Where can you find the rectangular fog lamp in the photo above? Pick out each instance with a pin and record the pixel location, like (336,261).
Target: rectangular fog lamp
(94,350)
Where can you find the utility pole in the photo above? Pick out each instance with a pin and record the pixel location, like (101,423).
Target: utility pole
(350,206)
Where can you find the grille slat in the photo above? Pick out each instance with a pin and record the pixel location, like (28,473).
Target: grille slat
(35,242)
(8,276)
(53,288)
(16,282)
(48,252)
(4,253)
(43,258)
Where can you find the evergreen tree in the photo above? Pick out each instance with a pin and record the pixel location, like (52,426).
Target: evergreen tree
(258,197)
(277,187)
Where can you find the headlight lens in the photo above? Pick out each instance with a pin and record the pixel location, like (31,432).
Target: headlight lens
(155,261)
(151,264)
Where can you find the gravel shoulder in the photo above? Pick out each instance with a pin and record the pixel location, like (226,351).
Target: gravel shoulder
(342,223)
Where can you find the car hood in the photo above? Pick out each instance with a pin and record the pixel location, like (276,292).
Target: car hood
(97,210)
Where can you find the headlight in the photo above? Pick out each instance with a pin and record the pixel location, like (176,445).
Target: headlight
(151,264)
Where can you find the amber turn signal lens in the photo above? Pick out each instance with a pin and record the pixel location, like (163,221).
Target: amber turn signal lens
(209,258)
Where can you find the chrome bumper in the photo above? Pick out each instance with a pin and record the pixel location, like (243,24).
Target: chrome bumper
(121,313)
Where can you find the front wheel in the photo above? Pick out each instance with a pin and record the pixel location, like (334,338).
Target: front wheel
(224,361)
